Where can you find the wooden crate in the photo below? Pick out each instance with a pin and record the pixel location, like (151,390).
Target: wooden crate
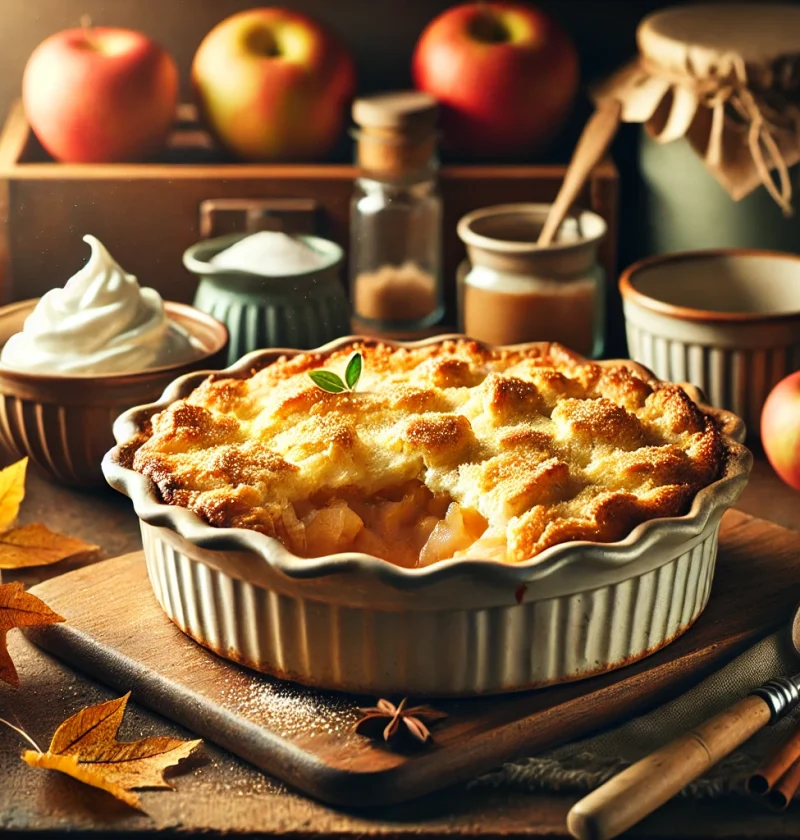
(149,213)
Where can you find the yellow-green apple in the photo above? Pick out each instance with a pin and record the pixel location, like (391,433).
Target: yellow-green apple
(780,429)
(505,75)
(273,85)
(100,94)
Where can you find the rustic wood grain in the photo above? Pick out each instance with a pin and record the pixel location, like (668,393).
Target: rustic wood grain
(54,204)
(222,796)
(116,631)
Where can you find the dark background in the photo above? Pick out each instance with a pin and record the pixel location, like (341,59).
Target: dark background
(380,35)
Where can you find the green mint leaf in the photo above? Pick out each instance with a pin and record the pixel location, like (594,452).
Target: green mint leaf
(328,381)
(353,371)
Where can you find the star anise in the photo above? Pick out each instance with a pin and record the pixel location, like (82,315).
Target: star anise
(389,721)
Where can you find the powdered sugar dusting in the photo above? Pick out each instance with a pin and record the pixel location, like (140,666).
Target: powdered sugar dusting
(290,710)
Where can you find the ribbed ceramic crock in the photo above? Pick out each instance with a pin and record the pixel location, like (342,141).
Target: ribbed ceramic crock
(460,627)
(63,422)
(734,357)
(299,310)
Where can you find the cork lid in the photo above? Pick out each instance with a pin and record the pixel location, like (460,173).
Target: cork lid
(404,112)
(758,32)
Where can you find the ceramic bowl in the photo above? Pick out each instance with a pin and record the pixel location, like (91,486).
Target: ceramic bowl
(459,627)
(295,310)
(727,321)
(62,422)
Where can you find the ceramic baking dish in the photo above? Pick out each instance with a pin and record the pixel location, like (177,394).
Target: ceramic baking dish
(459,627)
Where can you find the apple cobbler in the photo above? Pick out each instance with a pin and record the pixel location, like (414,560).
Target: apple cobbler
(447,451)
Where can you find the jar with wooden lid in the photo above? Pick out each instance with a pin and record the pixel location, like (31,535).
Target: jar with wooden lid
(716,88)
(396,215)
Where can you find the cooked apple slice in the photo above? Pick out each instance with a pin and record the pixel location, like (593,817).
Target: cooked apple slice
(455,533)
(294,531)
(474,523)
(491,546)
(331,529)
(368,543)
(448,536)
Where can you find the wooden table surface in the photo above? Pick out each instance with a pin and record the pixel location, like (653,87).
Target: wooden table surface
(221,794)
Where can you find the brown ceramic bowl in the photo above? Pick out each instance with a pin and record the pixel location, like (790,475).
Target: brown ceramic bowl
(62,422)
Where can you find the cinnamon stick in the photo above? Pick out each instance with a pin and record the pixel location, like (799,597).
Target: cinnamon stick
(781,794)
(775,766)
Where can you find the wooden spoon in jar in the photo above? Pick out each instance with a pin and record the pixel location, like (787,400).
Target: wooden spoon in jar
(638,790)
(594,141)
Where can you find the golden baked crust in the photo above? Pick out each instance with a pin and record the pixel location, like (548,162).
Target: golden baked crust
(446,450)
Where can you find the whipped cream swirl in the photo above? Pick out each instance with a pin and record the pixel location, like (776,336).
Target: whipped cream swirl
(101,322)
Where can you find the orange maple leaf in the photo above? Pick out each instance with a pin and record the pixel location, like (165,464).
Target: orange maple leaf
(19,608)
(85,747)
(12,492)
(37,545)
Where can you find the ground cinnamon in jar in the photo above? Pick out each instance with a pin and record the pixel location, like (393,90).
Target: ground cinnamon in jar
(513,291)
(399,293)
(539,310)
(396,214)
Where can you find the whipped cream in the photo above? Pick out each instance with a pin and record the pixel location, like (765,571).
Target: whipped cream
(101,322)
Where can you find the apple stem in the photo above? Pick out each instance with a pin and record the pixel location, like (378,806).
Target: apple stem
(88,29)
(486,26)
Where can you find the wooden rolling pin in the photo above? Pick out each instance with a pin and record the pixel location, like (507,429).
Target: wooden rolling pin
(637,791)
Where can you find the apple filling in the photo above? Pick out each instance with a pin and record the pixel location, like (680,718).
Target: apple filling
(407,525)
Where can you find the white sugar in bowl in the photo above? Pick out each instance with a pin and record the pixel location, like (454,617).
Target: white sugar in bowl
(301,306)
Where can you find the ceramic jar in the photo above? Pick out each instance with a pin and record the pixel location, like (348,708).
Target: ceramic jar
(297,310)
(685,209)
(714,87)
(511,291)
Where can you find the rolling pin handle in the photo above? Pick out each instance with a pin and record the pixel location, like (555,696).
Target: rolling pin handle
(646,785)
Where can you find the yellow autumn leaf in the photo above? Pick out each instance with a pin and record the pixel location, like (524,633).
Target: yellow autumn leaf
(12,492)
(19,608)
(37,545)
(85,747)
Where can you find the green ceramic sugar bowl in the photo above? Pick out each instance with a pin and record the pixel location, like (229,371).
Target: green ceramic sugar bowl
(271,289)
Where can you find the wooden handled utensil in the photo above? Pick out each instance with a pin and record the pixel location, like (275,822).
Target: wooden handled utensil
(641,788)
(595,139)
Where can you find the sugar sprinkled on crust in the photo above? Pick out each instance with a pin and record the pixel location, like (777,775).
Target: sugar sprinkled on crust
(545,449)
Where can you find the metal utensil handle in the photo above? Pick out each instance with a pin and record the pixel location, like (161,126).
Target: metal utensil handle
(781,695)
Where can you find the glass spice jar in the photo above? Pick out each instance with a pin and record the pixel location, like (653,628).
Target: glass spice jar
(396,215)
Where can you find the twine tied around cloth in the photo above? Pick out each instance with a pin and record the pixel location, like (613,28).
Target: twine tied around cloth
(764,109)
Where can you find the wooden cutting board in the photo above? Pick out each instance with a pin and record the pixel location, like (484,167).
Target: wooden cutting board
(116,632)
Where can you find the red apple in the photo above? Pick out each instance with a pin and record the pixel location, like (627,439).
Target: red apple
(505,76)
(780,429)
(98,95)
(273,85)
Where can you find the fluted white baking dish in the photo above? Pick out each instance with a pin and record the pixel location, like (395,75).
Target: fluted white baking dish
(727,321)
(459,627)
